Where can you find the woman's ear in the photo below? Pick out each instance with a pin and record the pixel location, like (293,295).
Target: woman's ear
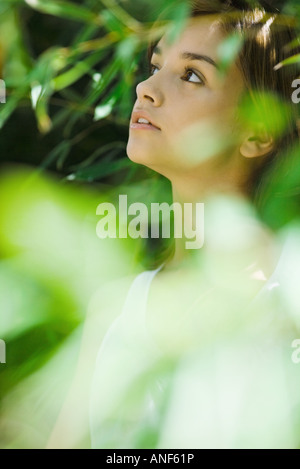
(256,145)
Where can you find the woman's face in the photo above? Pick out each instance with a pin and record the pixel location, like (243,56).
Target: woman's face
(193,107)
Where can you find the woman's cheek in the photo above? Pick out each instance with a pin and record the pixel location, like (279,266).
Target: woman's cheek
(200,141)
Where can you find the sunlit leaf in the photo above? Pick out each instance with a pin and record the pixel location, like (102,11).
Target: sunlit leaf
(290,61)
(127,48)
(178,15)
(265,110)
(228,51)
(75,73)
(65,10)
(112,23)
(104,109)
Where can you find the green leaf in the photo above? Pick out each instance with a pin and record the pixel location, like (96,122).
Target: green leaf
(48,65)
(114,8)
(65,10)
(104,109)
(112,23)
(110,150)
(127,48)
(101,170)
(17,63)
(228,51)
(107,77)
(11,105)
(61,151)
(8,4)
(179,15)
(75,73)
(265,110)
(290,61)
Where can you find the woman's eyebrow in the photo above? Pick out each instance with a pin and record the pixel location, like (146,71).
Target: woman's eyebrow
(190,56)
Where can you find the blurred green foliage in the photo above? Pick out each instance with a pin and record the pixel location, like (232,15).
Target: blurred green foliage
(71,68)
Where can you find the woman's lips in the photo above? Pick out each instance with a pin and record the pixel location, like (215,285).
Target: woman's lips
(140,126)
(143,115)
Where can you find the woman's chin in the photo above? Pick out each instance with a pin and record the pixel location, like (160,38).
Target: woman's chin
(137,154)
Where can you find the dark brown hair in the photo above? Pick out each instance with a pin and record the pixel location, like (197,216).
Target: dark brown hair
(269,38)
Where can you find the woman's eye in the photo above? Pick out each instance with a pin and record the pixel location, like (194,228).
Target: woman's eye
(189,75)
(192,77)
(153,69)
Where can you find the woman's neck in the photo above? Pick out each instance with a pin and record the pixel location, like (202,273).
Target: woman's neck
(203,218)
(189,224)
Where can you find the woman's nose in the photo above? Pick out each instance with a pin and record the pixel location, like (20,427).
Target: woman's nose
(147,91)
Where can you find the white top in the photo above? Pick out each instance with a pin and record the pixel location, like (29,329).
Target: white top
(234,395)
(127,350)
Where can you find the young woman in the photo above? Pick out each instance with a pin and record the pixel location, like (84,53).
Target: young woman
(189,125)
(192,361)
